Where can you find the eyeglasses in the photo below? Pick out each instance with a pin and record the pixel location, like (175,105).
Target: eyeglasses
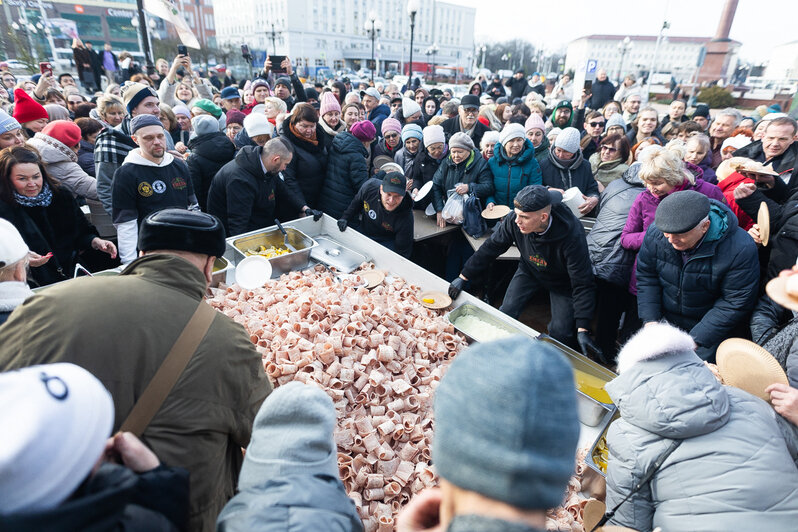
(391,136)
(609,149)
(471,111)
(596,124)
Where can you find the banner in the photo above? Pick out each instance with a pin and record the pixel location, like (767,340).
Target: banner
(63,28)
(166,10)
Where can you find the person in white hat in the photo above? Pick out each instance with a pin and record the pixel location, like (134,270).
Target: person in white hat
(13,269)
(59,468)
(565,168)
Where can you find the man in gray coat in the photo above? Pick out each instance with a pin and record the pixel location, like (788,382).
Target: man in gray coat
(732,469)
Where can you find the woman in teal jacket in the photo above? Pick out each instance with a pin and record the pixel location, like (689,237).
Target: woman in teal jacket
(513,165)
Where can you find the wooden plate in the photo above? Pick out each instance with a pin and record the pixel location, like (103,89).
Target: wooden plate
(372,278)
(499,211)
(593,512)
(763,221)
(746,365)
(777,290)
(440,300)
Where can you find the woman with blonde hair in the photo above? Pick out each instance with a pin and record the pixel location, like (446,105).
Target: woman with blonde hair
(110,110)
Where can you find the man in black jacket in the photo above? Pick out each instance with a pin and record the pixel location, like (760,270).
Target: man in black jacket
(601,92)
(554,256)
(467,120)
(518,85)
(385,211)
(777,147)
(245,193)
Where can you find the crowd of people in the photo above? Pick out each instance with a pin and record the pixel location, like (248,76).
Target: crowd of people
(170,164)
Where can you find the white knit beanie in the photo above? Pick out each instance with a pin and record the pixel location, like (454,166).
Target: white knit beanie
(410,107)
(433,135)
(511,131)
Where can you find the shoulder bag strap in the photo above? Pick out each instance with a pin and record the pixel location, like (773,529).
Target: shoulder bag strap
(171,368)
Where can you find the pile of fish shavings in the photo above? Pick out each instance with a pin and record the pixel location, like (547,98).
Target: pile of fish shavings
(379,354)
(569,516)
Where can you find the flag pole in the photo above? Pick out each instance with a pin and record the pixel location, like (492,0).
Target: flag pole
(145,43)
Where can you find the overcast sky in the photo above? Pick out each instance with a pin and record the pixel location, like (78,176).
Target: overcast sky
(758,24)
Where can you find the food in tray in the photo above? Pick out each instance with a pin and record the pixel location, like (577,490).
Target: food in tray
(592,386)
(600,454)
(269,253)
(480,330)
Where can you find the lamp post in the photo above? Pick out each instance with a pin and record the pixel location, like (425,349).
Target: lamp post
(431,51)
(273,35)
(412,8)
(373,26)
(483,49)
(623,48)
(665,26)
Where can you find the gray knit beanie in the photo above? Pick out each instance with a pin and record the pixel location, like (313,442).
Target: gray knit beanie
(616,120)
(506,423)
(204,124)
(461,140)
(292,434)
(568,140)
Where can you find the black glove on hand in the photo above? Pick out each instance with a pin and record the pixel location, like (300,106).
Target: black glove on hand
(588,346)
(313,212)
(456,287)
(342,223)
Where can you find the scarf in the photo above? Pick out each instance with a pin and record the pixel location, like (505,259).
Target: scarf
(12,295)
(42,199)
(297,134)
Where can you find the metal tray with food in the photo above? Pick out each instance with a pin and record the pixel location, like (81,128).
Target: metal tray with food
(478,325)
(336,255)
(260,241)
(220,268)
(596,458)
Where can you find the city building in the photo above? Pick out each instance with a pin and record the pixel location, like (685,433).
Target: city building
(783,63)
(677,56)
(199,17)
(332,34)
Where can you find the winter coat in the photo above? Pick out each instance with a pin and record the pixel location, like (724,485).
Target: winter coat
(783,230)
(452,125)
(483,523)
(115,498)
(473,171)
(781,163)
(578,175)
(709,292)
(611,262)
(206,418)
(329,133)
(732,470)
(542,151)
(86,158)
(601,93)
(381,148)
(304,176)
(62,165)
(166,93)
(405,159)
(423,171)
(727,187)
(245,198)
(377,115)
(709,173)
(631,135)
(61,228)
(518,88)
(607,172)
(209,153)
(511,175)
(558,258)
(347,170)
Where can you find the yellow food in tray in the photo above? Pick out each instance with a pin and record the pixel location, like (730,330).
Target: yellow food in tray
(269,253)
(591,386)
(600,454)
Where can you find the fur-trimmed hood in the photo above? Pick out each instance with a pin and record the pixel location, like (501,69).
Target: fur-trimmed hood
(653,341)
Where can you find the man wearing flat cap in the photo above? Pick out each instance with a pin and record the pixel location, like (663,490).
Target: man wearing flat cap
(466,121)
(554,257)
(698,270)
(121,328)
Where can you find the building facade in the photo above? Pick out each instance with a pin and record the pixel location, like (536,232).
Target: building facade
(331,33)
(677,56)
(783,64)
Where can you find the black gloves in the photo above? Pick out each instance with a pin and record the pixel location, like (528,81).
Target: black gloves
(588,346)
(313,212)
(342,223)
(456,287)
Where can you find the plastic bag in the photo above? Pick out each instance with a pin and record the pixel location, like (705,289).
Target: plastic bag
(453,209)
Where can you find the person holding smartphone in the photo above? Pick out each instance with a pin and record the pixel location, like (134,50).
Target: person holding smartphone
(284,79)
(187,90)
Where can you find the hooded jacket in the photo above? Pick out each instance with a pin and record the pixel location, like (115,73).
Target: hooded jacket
(209,153)
(473,171)
(377,115)
(304,175)
(708,292)
(732,470)
(62,165)
(611,262)
(244,197)
(558,258)
(562,103)
(347,170)
(511,175)
(577,174)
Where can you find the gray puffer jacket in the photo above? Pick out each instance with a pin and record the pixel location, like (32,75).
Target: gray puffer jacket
(733,470)
(62,165)
(611,261)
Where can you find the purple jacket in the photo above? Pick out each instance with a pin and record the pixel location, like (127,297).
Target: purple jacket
(641,215)
(709,174)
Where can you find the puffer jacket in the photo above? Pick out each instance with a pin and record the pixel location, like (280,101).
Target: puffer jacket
(732,470)
(304,176)
(62,165)
(709,294)
(377,115)
(611,262)
(578,174)
(473,171)
(347,170)
(208,154)
(511,175)
(607,172)
(405,159)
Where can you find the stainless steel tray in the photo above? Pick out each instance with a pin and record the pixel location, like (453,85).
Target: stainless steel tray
(605,425)
(271,236)
(467,309)
(220,268)
(336,255)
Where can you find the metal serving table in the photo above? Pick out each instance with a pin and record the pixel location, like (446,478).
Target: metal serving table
(425,227)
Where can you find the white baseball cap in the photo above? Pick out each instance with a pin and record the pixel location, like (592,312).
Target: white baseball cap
(12,247)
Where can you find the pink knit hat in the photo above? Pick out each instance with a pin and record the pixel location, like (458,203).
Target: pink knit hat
(363,131)
(391,124)
(329,103)
(534,122)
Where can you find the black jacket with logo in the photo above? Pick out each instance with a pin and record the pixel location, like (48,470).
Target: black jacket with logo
(558,258)
(379,224)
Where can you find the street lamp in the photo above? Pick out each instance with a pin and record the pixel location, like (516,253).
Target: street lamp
(273,35)
(373,26)
(623,48)
(483,49)
(431,51)
(560,65)
(412,8)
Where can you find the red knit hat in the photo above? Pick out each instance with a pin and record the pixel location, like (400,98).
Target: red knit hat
(63,131)
(26,109)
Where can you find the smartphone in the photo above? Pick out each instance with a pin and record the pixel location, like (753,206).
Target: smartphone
(45,67)
(182,50)
(244,51)
(588,85)
(277,60)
